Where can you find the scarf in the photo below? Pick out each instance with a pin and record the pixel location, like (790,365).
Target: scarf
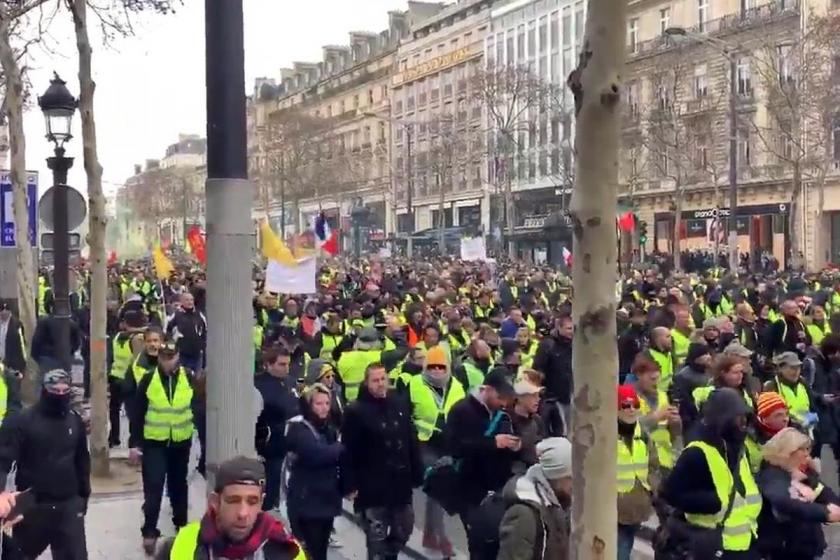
(266,529)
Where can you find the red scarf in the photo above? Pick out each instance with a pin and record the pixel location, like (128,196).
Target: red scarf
(266,529)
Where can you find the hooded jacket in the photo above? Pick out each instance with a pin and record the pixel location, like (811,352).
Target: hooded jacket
(534,516)
(337,401)
(692,376)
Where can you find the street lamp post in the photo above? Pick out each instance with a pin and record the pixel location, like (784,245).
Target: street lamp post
(58,106)
(726,51)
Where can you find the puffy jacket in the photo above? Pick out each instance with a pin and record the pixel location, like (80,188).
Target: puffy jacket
(280,403)
(315,455)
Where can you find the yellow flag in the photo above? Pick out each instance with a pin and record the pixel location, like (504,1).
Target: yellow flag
(163,266)
(273,247)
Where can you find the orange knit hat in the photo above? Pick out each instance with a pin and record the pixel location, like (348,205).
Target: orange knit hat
(768,403)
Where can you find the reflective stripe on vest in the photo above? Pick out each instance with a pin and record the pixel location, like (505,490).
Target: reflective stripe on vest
(186,544)
(352,366)
(632,463)
(122,355)
(796,399)
(165,420)
(666,367)
(661,435)
(742,524)
(428,409)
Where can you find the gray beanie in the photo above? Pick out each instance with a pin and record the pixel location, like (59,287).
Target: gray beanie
(555,456)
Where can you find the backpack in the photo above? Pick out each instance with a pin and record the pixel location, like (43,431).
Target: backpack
(485,521)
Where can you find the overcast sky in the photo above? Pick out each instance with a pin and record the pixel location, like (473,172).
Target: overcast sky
(151,87)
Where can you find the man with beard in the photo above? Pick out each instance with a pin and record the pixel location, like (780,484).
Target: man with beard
(554,360)
(49,445)
(474,368)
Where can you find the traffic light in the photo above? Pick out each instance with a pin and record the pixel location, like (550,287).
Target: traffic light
(642,232)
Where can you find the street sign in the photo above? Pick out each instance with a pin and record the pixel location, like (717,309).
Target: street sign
(48,240)
(76,208)
(7,215)
(48,258)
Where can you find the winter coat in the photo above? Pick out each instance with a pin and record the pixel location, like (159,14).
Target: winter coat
(789,527)
(554,360)
(826,381)
(314,457)
(685,381)
(280,403)
(531,430)
(540,520)
(189,328)
(383,450)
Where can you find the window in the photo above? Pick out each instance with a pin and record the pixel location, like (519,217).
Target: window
(532,40)
(664,20)
(633,34)
(632,90)
(555,32)
(702,14)
(700,82)
(700,151)
(520,43)
(579,23)
(784,68)
(743,147)
(567,27)
(664,97)
(543,34)
(744,77)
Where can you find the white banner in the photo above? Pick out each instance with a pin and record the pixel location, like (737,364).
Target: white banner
(300,279)
(473,249)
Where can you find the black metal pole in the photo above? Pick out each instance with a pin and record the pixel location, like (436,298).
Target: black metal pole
(61,255)
(409,195)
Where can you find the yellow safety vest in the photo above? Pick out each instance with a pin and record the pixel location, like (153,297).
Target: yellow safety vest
(660,435)
(137,370)
(165,420)
(428,409)
(741,526)
(123,355)
(399,376)
(527,356)
(475,377)
(701,395)
(259,333)
(4,394)
(680,347)
(458,344)
(186,544)
(43,290)
(632,463)
(352,366)
(817,333)
(666,367)
(796,399)
(754,456)
(328,343)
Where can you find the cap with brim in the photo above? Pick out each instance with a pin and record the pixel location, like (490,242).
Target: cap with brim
(787,359)
(56,377)
(499,381)
(737,349)
(240,471)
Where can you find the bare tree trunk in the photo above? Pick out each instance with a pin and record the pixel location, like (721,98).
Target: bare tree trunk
(25,272)
(795,241)
(96,239)
(678,204)
(441,216)
(596,88)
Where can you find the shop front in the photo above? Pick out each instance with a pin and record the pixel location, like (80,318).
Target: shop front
(761,229)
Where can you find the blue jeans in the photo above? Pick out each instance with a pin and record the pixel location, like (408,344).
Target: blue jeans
(626,537)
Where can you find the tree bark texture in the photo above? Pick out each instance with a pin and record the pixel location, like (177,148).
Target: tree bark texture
(97,221)
(596,88)
(678,205)
(26,277)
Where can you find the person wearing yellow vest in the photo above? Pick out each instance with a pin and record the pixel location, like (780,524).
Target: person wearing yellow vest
(712,484)
(660,352)
(164,424)
(819,326)
(727,372)
(745,327)
(475,366)
(659,419)
(44,297)
(328,339)
(771,417)
(636,461)
(412,365)
(788,383)
(680,337)
(233,518)
(124,346)
(145,361)
(833,302)
(432,394)
(351,366)
(527,347)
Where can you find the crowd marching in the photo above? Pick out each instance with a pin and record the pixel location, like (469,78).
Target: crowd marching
(455,378)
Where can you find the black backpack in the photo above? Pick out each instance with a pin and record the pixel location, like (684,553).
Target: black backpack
(485,521)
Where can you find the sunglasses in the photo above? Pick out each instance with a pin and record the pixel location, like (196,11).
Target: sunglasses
(436,366)
(630,405)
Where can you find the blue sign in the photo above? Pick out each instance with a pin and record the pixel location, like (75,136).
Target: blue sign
(7,215)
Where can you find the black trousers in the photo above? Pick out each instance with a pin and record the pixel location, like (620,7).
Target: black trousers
(161,464)
(115,403)
(59,526)
(314,534)
(387,530)
(273,481)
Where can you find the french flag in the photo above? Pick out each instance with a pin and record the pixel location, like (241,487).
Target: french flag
(327,239)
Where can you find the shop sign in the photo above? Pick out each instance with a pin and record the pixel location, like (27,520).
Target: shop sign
(434,65)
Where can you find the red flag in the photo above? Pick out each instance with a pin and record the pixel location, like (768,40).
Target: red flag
(331,244)
(627,222)
(197,244)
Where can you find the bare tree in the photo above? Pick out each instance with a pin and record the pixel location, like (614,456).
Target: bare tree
(596,87)
(18,24)
(800,76)
(511,97)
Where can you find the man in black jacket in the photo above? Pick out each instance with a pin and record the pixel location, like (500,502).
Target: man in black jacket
(789,334)
(554,360)
(11,339)
(280,403)
(479,434)
(384,463)
(189,328)
(49,445)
